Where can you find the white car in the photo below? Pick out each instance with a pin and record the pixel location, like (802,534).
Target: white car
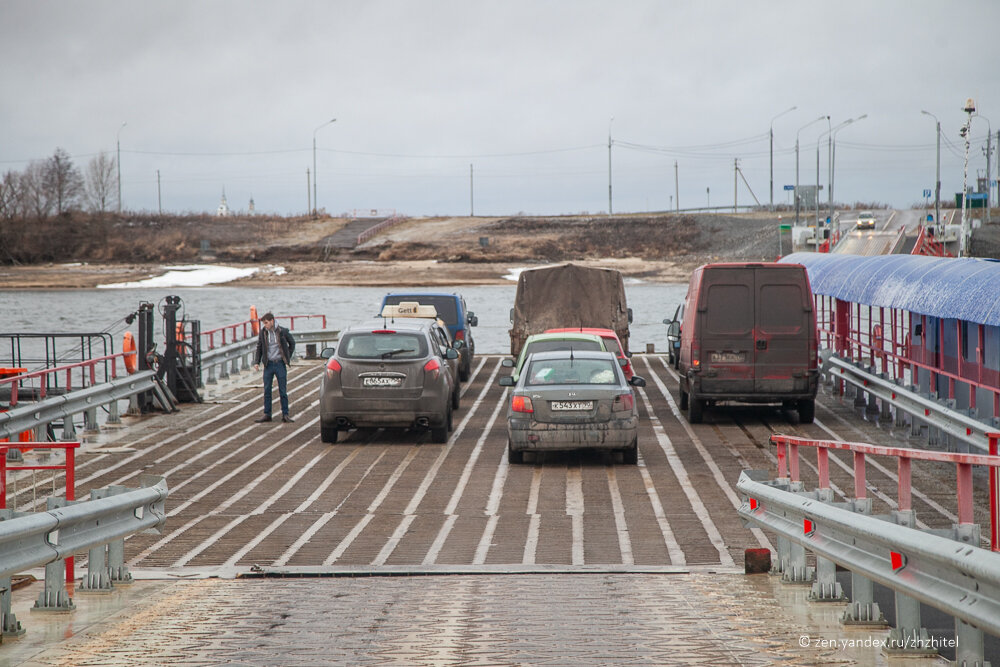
(866,220)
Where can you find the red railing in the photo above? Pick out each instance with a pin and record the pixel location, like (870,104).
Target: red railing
(233,333)
(928,245)
(88,375)
(788,467)
(827,244)
(68,467)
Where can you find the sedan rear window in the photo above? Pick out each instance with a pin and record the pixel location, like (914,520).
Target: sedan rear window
(394,345)
(571,371)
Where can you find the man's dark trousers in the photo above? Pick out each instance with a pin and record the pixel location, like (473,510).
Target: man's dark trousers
(275,368)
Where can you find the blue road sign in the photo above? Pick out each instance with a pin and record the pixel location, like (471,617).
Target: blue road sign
(927,193)
(789,187)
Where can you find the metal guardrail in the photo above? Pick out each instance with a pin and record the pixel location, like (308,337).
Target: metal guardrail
(957,578)
(99,526)
(936,413)
(63,408)
(230,358)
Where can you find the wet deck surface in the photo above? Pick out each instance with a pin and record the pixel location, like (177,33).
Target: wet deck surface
(621,563)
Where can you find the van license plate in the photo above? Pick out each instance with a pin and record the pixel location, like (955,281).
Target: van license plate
(381,381)
(729,357)
(572,405)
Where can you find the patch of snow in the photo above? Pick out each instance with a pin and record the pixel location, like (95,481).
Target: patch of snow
(189,275)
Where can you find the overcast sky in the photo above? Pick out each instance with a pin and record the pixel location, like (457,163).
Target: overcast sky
(522,92)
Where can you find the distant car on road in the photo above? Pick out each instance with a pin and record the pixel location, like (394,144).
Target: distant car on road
(572,399)
(866,220)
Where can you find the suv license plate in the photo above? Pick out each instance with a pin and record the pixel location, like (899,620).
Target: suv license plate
(381,381)
(728,357)
(572,405)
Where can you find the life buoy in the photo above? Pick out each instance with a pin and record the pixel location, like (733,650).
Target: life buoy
(131,356)
(877,341)
(254,322)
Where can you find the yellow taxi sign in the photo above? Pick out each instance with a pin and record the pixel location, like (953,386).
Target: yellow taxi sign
(409,309)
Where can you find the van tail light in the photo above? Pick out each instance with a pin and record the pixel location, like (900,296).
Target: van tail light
(521,404)
(695,355)
(433,367)
(623,402)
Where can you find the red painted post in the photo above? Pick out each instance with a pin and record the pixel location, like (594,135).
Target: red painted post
(3,478)
(782,463)
(994,495)
(904,490)
(860,484)
(823,466)
(70,495)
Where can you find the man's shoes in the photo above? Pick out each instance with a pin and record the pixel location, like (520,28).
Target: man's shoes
(287,419)
(265,418)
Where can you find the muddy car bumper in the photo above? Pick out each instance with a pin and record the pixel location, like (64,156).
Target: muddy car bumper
(772,391)
(366,413)
(530,435)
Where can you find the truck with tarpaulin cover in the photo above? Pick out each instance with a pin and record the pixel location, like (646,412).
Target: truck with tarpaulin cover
(568,296)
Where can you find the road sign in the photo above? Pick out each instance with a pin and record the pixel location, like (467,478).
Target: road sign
(927,193)
(789,187)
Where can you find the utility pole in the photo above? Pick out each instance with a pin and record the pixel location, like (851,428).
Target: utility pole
(609,164)
(118,162)
(736,174)
(970,108)
(159,198)
(472,195)
(308,193)
(677,194)
(989,186)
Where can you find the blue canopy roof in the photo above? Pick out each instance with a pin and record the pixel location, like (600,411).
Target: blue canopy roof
(964,289)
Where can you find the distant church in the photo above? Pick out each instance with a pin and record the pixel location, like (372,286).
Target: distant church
(223,209)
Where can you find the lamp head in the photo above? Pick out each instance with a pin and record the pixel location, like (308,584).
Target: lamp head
(970,106)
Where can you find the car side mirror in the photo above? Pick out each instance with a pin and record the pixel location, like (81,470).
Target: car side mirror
(507,363)
(473,320)
(328,352)
(506,381)
(674,329)
(637,381)
(511,314)
(667,321)
(451,353)
(630,316)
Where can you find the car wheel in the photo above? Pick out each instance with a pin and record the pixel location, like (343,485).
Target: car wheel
(328,433)
(439,434)
(696,409)
(514,456)
(630,456)
(807,411)
(465,370)
(684,400)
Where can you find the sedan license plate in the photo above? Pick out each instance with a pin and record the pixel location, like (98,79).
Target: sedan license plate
(729,357)
(571,405)
(376,381)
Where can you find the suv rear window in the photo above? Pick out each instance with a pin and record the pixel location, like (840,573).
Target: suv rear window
(445,305)
(395,345)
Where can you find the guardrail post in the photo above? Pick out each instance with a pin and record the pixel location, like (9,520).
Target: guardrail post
(9,625)
(970,650)
(862,610)
(211,375)
(69,430)
(909,637)
(114,416)
(90,421)
(54,596)
(224,371)
(98,579)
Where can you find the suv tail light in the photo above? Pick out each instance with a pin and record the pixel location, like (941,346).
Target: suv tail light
(333,366)
(521,404)
(460,335)
(433,367)
(623,402)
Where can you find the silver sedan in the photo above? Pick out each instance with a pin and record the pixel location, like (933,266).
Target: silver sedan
(568,400)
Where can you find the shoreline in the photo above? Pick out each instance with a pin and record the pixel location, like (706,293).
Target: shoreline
(365,273)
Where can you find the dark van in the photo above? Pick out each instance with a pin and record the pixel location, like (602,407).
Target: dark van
(451,309)
(749,335)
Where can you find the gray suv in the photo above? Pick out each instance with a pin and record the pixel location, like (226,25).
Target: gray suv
(395,375)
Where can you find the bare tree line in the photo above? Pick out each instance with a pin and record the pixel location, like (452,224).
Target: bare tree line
(55,186)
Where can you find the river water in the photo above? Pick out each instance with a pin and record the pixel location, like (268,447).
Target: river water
(96,310)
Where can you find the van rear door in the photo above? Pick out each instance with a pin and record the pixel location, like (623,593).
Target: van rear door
(783,330)
(726,313)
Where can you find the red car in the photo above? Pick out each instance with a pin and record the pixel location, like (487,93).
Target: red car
(611,342)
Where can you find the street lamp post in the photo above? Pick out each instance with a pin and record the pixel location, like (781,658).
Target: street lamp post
(970,109)
(937,184)
(771,135)
(315,201)
(833,156)
(818,143)
(609,163)
(118,162)
(797,201)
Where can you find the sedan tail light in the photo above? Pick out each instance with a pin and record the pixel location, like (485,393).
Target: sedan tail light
(623,402)
(333,366)
(521,404)
(433,367)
